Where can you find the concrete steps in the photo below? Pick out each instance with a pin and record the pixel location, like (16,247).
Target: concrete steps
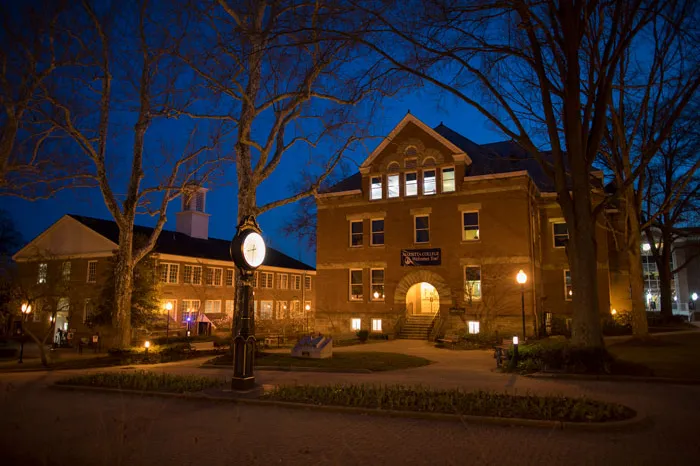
(416,328)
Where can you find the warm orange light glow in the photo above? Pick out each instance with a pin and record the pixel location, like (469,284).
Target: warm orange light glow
(613,312)
(26,308)
(147,344)
(169,306)
(521,277)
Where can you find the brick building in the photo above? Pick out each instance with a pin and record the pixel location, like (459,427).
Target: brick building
(196,274)
(431,233)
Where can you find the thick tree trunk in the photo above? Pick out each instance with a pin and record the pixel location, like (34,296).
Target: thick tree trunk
(41,347)
(665,277)
(123,287)
(640,326)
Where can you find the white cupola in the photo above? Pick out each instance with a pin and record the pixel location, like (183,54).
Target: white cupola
(193,219)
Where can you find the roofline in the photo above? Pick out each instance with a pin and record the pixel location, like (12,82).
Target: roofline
(340,193)
(493,176)
(228,264)
(409,118)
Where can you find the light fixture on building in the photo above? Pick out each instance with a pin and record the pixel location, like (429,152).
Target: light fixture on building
(376,295)
(646,247)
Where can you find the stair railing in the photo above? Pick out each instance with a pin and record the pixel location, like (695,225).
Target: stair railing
(436,326)
(398,325)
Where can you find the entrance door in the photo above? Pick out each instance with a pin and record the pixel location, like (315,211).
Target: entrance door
(422,299)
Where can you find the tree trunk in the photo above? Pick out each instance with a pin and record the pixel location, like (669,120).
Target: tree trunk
(665,277)
(123,287)
(42,348)
(640,326)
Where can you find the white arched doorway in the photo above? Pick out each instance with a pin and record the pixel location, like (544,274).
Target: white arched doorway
(422,299)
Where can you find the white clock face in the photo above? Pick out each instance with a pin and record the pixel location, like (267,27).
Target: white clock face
(254,249)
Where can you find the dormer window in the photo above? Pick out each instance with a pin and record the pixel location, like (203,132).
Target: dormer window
(375,188)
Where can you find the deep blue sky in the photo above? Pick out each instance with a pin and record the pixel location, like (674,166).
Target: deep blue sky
(32,218)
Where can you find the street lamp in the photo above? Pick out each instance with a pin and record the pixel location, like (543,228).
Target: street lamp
(188,326)
(168,307)
(522,279)
(26,309)
(307,308)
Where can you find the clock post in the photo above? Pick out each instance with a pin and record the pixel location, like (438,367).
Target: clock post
(248,253)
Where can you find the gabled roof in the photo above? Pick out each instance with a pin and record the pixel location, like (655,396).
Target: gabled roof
(180,244)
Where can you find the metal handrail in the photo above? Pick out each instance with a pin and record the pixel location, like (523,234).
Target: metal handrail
(436,327)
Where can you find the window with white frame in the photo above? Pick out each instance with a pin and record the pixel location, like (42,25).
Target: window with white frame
(355,324)
(377,284)
(568,288)
(88,309)
(472,283)
(422,229)
(473,327)
(307,282)
(229,307)
(189,310)
(209,276)
(411,188)
(376,325)
(375,188)
(65,271)
(296,282)
(470,226)
(392,185)
(448,180)
(266,279)
(282,281)
(356,233)
(560,234)
(42,273)
(92,272)
(429,186)
(168,273)
(218,276)
(295,311)
(212,306)
(356,285)
(192,274)
(266,310)
(377,233)
(281,310)
(229,277)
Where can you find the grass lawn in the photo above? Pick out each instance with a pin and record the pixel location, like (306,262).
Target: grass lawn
(375,362)
(676,356)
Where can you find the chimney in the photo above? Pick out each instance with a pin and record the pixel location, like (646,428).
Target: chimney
(192,220)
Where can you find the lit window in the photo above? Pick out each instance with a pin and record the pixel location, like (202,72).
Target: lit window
(356,285)
(473,327)
(212,307)
(307,282)
(229,277)
(296,282)
(470,224)
(282,281)
(356,324)
(375,188)
(377,284)
(376,325)
(411,184)
(65,271)
(255,280)
(561,234)
(209,277)
(568,289)
(229,307)
(217,276)
(295,310)
(472,283)
(429,182)
(92,272)
(422,234)
(43,271)
(168,273)
(266,310)
(448,180)
(356,233)
(377,237)
(282,311)
(392,186)
(190,309)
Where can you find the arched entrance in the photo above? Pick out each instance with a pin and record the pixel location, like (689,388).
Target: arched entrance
(422,299)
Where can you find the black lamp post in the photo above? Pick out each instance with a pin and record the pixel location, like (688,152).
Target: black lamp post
(168,307)
(26,309)
(522,279)
(248,253)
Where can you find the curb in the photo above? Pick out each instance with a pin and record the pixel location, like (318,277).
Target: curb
(639,420)
(294,369)
(613,378)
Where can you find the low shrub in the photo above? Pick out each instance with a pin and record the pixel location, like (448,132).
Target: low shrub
(216,339)
(362,335)
(454,401)
(146,381)
(560,355)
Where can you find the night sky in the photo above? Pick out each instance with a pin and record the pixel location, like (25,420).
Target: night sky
(432,108)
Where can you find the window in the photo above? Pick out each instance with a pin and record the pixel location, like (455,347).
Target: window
(561,234)
(472,283)
(448,180)
(568,289)
(217,276)
(411,188)
(88,310)
(375,188)
(168,273)
(266,309)
(470,226)
(212,306)
(392,185)
(229,307)
(356,233)
(282,281)
(376,325)
(296,282)
(355,324)
(422,234)
(377,284)
(377,237)
(65,271)
(209,277)
(307,282)
(265,279)
(92,272)
(473,327)
(295,310)
(190,308)
(192,274)
(356,284)
(42,272)
(429,162)
(429,186)
(281,310)
(229,277)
